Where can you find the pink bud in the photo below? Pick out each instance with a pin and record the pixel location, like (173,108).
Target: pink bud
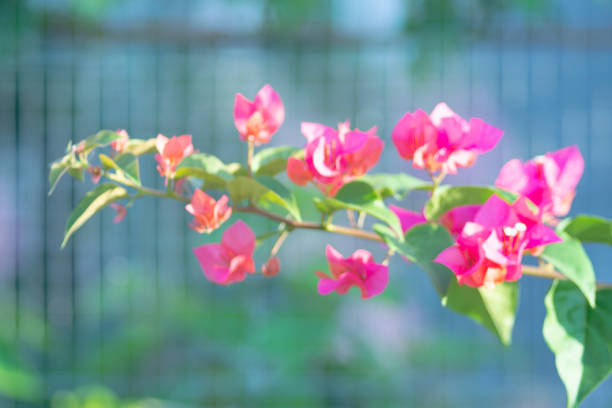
(95,173)
(121,212)
(271,267)
(79,148)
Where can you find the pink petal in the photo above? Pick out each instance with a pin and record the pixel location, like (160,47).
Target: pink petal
(361,256)
(298,171)
(239,238)
(571,163)
(239,267)
(485,136)
(540,235)
(453,259)
(313,131)
(341,285)
(513,177)
(121,212)
(455,219)
(494,213)
(213,261)
(378,278)
(243,109)
(442,111)
(335,260)
(160,143)
(412,132)
(269,103)
(408,219)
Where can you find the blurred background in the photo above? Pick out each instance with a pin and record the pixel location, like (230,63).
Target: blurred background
(123,315)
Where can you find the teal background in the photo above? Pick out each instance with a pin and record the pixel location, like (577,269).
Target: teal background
(123,314)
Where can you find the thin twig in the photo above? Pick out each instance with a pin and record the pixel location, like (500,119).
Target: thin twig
(546,271)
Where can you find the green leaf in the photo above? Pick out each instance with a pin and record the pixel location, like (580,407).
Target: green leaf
(569,258)
(265,190)
(102,138)
(396,185)
(126,165)
(273,160)
(493,308)
(58,169)
(93,201)
(18,381)
(446,198)
(206,167)
(588,228)
(139,147)
(360,196)
(580,337)
(288,199)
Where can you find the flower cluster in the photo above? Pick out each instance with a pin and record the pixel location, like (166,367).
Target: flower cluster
(333,157)
(490,239)
(443,141)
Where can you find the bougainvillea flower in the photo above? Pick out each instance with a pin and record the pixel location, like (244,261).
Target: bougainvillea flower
(333,157)
(121,212)
(454,220)
(271,267)
(208,213)
(359,270)
(95,172)
(407,218)
(549,181)
(230,260)
(489,249)
(443,141)
(258,120)
(171,152)
(119,144)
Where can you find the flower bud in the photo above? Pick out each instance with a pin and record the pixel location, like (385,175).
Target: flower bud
(271,267)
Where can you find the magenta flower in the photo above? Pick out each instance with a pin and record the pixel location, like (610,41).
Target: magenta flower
(408,219)
(549,181)
(258,120)
(171,152)
(333,158)
(490,247)
(358,270)
(443,141)
(208,213)
(232,259)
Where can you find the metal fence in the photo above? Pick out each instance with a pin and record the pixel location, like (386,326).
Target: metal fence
(126,306)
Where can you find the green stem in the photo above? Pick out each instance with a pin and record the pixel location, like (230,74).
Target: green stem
(145,190)
(250,157)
